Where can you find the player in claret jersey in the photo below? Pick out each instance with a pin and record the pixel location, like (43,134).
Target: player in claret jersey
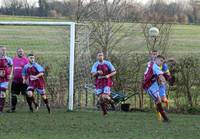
(103,71)
(5,71)
(33,75)
(154,77)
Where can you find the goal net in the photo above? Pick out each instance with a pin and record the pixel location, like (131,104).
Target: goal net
(62,48)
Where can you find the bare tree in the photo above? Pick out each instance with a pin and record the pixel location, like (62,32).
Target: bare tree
(12,6)
(43,8)
(156,16)
(104,26)
(28,7)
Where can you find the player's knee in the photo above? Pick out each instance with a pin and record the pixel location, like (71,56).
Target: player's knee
(100,98)
(164,99)
(30,93)
(105,97)
(158,100)
(44,96)
(2,94)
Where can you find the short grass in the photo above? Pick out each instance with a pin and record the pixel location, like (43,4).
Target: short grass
(92,125)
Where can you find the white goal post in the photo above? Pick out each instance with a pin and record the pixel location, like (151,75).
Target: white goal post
(72,48)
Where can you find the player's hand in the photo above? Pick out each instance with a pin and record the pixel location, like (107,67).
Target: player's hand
(24,81)
(107,76)
(32,77)
(100,72)
(9,77)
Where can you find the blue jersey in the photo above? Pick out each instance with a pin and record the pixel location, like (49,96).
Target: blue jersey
(108,63)
(156,70)
(10,61)
(38,67)
(164,68)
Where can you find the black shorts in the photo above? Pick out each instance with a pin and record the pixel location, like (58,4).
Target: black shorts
(17,88)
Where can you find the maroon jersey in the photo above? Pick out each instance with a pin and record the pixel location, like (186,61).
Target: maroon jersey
(106,67)
(149,77)
(30,70)
(102,82)
(5,64)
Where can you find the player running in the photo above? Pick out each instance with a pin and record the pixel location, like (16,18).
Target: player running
(33,75)
(103,71)
(5,72)
(152,78)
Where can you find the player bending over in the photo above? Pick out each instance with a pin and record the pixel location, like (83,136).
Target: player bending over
(152,78)
(33,75)
(103,71)
(5,71)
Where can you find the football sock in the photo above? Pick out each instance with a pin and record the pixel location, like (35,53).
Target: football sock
(29,101)
(103,107)
(2,103)
(162,112)
(14,102)
(47,104)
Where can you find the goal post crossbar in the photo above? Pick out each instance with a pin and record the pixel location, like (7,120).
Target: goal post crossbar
(72,48)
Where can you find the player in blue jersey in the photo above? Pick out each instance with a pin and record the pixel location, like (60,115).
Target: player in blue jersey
(103,71)
(154,77)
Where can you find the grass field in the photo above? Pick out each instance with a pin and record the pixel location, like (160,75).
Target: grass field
(184,38)
(92,125)
(51,42)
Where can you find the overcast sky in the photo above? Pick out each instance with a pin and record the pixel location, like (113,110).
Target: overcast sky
(142,1)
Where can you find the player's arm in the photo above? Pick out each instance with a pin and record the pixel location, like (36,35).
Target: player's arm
(111,74)
(99,72)
(161,79)
(94,71)
(112,69)
(159,73)
(39,75)
(24,74)
(40,69)
(10,64)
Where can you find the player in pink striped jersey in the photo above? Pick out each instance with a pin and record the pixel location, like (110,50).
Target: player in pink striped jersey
(17,87)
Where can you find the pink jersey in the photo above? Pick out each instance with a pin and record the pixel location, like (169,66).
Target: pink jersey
(5,64)
(18,65)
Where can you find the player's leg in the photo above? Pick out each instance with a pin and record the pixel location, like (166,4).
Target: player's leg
(44,98)
(153,91)
(162,93)
(15,90)
(107,90)
(23,90)
(100,99)
(3,88)
(30,97)
(105,99)
(2,100)
(103,104)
